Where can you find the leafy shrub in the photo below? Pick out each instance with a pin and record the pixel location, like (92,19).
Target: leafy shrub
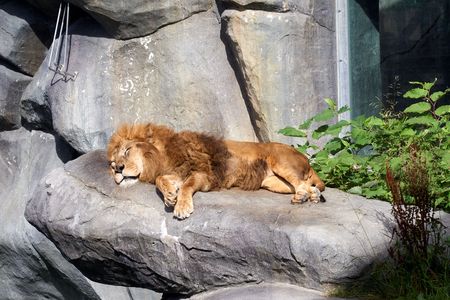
(419,265)
(354,157)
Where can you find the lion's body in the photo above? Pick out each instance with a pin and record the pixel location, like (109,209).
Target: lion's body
(181,163)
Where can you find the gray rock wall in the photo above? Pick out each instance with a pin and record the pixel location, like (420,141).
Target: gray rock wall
(31,265)
(24,35)
(178,76)
(243,74)
(287,62)
(12,85)
(27,258)
(239,69)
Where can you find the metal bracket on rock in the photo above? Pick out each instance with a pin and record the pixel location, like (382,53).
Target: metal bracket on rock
(56,65)
(58,70)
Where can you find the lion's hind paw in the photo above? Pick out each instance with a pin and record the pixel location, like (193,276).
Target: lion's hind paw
(315,195)
(306,193)
(183,209)
(300,196)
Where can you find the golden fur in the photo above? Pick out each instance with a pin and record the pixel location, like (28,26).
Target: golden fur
(182,163)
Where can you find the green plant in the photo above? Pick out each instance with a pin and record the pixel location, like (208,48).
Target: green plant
(420,249)
(355,152)
(419,265)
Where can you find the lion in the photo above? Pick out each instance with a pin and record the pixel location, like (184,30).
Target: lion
(182,163)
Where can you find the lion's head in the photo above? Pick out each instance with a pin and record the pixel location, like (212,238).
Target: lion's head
(131,156)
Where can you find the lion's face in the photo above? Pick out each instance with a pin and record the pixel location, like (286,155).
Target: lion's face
(126,162)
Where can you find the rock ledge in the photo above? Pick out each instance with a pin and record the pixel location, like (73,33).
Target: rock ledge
(126,237)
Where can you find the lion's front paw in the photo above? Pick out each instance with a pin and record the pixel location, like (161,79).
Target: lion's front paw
(170,197)
(169,185)
(183,209)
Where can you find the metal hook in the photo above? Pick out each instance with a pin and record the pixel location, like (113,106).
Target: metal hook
(54,65)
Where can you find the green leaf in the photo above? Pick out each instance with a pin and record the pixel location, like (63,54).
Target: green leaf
(418,107)
(395,163)
(346,159)
(377,193)
(360,137)
(306,124)
(446,160)
(408,132)
(370,184)
(333,146)
(325,115)
(291,131)
(319,132)
(331,103)
(321,156)
(335,129)
(442,110)
(340,124)
(416,93)
(343,109)
(373,121)
(436,96)
(424,85)
(422,120)
(355,190)
(345,143)
(302,148)
(438,201)
(429,85)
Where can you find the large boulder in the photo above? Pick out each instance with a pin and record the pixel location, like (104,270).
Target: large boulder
(31,266)
(27,258)
(135,18)
(24,34)
(268,5)
(179,76)
(287,62)
(12,85)
(126,237)
(321,10)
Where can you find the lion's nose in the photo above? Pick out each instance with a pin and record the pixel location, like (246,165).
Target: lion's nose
(120,167)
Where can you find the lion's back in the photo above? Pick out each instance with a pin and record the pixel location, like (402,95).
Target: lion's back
(190,151)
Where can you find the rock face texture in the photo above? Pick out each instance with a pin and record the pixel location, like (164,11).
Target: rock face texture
(282,56)
(178,76)
(125,236)
(137,18)
(24,35)
(28,259)
(185,76)
(31,266)
(12,85)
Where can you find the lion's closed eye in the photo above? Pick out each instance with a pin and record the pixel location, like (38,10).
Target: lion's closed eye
(127,152)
